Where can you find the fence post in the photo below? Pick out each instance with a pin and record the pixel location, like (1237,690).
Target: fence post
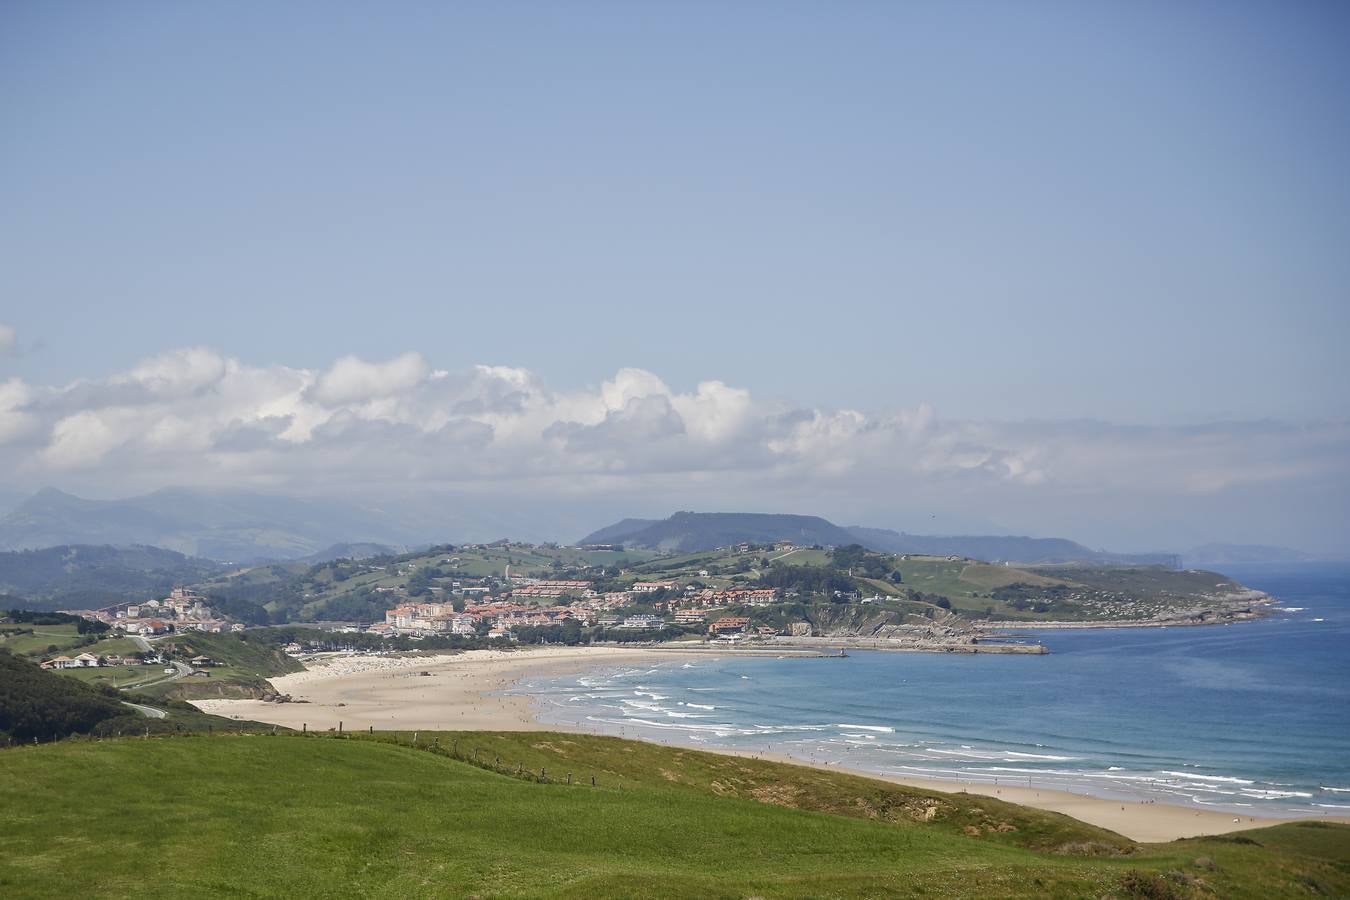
(372,730)
(592,781)
(339,726)
(569,777)
(304,728)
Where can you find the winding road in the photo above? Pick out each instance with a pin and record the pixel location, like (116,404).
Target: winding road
(148,711)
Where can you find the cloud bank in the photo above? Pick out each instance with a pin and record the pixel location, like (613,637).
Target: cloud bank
(199,418)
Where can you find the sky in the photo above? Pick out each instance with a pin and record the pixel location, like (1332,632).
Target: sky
(1049,268)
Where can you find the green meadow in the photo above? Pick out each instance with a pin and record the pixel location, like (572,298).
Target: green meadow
(323,815)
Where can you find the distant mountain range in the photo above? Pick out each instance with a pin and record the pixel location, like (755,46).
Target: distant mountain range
(247,528)
(690,531)
(1000,548)
(351,551)
(89,577)
(228,526)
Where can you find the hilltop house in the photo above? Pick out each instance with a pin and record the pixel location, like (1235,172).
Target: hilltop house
(83,661)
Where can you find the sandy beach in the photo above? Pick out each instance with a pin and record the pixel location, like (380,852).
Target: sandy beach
(465,692)
(460,692)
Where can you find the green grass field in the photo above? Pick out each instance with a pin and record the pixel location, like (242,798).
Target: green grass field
(63,637)
(115,676)
(66,639)
(317,816)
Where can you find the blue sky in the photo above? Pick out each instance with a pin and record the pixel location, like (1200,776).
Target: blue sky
(1125,213)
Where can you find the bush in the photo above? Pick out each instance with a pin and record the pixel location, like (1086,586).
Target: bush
(1147,885)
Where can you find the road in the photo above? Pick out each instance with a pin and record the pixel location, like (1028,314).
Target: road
(148,711)
(181,670)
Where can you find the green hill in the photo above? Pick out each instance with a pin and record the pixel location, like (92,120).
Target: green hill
(685,532)
(89,577)
(312,816)
(39,705)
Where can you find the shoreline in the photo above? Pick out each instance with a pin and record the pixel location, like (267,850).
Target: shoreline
(469,691)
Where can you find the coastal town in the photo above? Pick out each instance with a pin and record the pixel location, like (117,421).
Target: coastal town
(774,596)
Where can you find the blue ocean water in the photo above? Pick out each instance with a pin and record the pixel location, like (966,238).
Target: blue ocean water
(1251,717)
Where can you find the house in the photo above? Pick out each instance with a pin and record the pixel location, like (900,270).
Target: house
(757,597)
(651,587)
(83,661)
(201,662)
(643,622)
(729,625)
(554,589)
(689,617)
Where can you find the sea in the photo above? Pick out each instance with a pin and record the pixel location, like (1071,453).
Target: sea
(1251,717)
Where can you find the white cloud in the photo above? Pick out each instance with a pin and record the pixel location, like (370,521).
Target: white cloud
(353,380)
(196,417)
(179,373)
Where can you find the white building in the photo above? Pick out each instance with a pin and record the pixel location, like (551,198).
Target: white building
(642,622)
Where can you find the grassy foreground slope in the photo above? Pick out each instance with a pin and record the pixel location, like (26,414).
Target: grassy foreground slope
(316,816)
